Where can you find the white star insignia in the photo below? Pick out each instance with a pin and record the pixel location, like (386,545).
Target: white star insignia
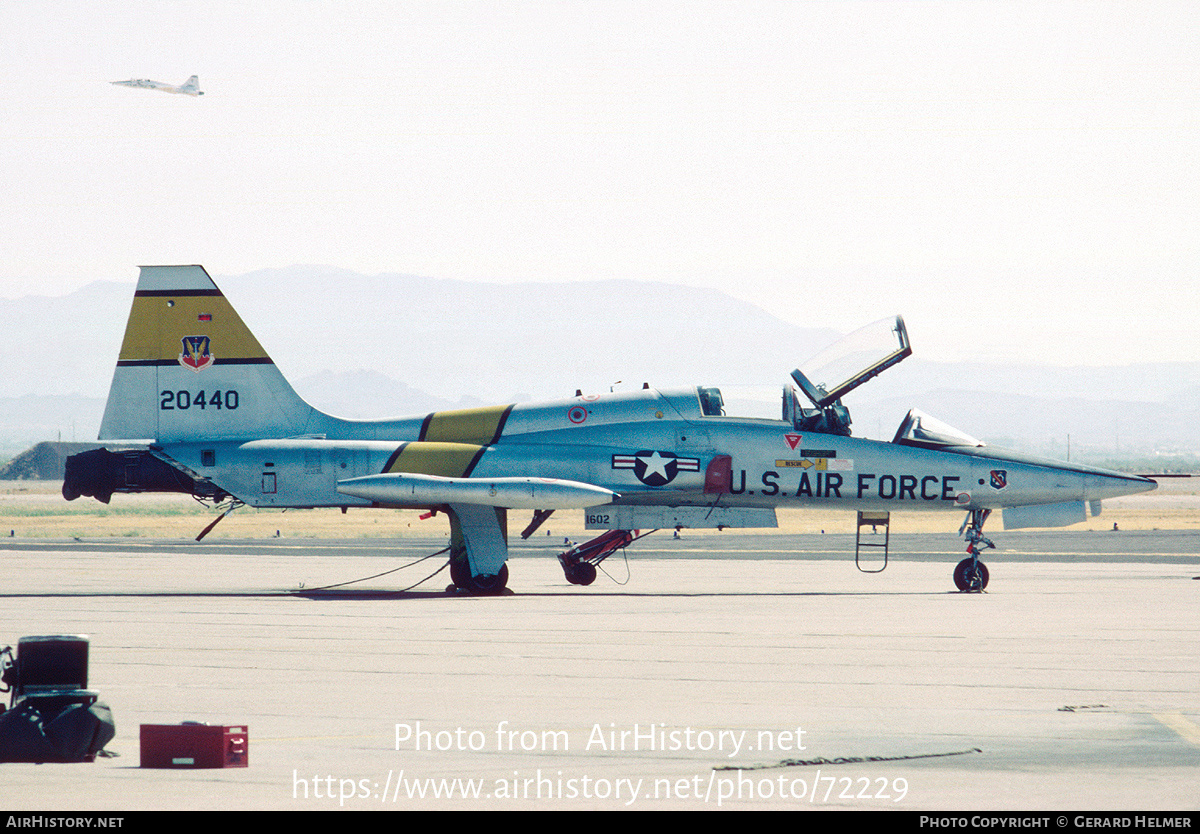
(655,464)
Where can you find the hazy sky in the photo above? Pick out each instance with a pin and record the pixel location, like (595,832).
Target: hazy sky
(1020,180)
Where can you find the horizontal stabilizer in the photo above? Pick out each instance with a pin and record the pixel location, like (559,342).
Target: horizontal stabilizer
(405,489)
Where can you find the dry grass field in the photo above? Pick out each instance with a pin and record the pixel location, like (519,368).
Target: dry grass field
(36,509)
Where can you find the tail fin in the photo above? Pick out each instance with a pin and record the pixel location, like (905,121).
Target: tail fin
(190,369)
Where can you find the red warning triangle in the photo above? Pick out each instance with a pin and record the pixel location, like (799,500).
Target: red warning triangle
(793,440)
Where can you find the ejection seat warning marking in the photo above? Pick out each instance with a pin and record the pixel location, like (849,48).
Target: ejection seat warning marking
(820,464)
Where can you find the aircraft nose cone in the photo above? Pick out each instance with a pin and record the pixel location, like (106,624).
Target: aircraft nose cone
(1146,484)
(1114,484)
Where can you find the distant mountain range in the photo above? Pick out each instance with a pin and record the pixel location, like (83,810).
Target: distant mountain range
(389,345)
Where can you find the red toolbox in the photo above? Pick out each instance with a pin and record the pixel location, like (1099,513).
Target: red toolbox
(194,745)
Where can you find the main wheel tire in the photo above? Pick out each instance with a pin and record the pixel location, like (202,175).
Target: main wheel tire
(460,575)
(971,575)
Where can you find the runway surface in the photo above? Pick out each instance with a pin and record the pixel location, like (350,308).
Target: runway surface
(733,671)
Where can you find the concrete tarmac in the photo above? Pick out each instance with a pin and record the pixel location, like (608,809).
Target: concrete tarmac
(717,671)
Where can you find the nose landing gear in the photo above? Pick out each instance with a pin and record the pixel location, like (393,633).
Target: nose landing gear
(579,563)
(971,575)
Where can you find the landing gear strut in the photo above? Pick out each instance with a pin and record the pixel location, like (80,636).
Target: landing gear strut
(972,574)
(579,563)
(478,549)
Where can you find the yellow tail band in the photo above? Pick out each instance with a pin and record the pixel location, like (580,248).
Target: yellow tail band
(161,322)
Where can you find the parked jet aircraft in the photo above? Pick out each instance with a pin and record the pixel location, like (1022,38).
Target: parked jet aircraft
(223,424)
(191,87)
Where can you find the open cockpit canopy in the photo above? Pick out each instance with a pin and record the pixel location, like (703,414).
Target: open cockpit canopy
(832,373)
(839,369)
(851,361)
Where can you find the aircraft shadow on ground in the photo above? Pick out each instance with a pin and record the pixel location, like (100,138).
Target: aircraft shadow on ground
(385,595)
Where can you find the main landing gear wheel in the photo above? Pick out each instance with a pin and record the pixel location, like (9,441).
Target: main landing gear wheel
(582,573)
(460,575)
(971,575)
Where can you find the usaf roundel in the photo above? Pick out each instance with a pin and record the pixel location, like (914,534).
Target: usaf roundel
(655,468)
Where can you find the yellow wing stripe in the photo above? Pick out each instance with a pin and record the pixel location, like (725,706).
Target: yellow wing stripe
(158,323)
(450,460)
(468,425)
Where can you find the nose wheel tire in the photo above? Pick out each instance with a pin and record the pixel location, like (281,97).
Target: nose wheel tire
(581,573)
(971,575)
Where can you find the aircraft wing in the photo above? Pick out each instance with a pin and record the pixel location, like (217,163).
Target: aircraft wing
(407,489)
(144,83)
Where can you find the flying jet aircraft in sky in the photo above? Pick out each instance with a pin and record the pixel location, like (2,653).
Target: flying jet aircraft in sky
(191,87)
(224,425)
